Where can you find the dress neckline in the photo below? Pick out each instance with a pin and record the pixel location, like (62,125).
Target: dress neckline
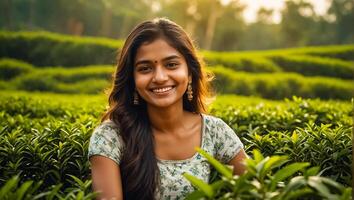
(196,153)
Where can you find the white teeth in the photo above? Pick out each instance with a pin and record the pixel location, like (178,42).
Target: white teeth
(160,90)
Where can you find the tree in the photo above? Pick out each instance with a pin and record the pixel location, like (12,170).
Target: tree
(262,34)
(230,27)
(298,20)
(343,12)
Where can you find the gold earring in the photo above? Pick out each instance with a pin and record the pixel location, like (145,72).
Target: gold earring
(190,90)
(136,98)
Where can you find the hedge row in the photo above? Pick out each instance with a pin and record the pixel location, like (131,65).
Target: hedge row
(282,62)
(47,140)
(249,63)
(315,66)
(22,76)
(10,68)
(50,49)
(280,85)
(94,79)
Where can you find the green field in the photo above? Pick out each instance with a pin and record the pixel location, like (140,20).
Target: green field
(293,105)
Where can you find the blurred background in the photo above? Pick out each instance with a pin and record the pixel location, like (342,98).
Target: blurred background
(272,49)
(221,25)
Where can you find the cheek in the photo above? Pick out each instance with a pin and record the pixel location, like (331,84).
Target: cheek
(140,82)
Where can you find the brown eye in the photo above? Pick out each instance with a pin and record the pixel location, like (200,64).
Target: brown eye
(144,69)
(172,65)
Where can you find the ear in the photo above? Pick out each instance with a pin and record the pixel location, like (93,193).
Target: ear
(189,78)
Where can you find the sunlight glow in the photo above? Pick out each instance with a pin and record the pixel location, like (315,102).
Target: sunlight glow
(250,13)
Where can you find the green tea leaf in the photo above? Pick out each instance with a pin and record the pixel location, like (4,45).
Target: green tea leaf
(225,171)
(207,189)
(286,172)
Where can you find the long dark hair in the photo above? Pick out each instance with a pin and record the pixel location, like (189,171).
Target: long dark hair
(139,170)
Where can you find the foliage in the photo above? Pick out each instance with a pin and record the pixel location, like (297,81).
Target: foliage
(280,85)
(94,79)
(315,66)
(89,79)
(10,68)
(213,23)
(267,178)
(331,61)
(12,189)
(248,63)
(49,49)
(44,137)
(44,48)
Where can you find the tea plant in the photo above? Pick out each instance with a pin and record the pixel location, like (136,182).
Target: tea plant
(267,178)
(44,137)
(13,189)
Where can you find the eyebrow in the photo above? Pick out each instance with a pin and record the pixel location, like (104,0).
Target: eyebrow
(164,59)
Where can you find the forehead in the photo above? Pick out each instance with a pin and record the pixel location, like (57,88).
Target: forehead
(155,50)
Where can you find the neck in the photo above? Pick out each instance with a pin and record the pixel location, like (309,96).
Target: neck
(166,120)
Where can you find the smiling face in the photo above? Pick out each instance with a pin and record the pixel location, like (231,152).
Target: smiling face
(160,74)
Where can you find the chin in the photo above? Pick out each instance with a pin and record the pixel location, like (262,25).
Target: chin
(162,103)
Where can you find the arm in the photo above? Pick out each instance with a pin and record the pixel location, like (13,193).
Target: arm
(237,162)
(106,178)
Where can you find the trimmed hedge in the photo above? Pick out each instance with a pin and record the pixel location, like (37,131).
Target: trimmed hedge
(50,49)
(94,79)
(280,85)
(43,83)
(255,63)
(345,52)
(89,80)
(315,66)
(11,68)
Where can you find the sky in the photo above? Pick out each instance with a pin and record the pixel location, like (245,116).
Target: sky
(250,12)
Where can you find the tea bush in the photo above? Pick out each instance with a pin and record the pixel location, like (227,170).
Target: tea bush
(94,79)
(280,85)
(10,68)
(44,137)
(315,66)
(344,52)
(89,80)
(13,189)
(51,49)
(332,61)
(255,64)
(264,180)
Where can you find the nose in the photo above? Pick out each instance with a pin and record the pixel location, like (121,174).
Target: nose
(160,75)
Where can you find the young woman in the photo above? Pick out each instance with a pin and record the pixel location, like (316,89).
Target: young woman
(156,118)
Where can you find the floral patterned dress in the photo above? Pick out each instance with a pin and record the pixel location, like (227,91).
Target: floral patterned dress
(218,139)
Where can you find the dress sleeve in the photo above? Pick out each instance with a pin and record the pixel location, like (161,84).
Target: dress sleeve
(106,142)
(227,143)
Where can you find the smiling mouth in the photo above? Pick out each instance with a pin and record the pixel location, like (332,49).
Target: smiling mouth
(161,90)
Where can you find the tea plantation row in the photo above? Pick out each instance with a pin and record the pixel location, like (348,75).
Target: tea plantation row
(49,49)
(44,137)
(93,79)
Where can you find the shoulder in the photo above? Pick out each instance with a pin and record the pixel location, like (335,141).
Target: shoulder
(216,128)
(106,141)
(213,122)
(107,129)
(223,140)
(107,125)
